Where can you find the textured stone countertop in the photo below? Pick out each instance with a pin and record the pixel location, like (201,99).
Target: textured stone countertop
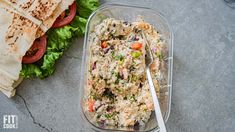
(203,98)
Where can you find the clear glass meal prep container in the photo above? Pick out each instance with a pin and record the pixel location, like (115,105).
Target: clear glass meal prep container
(130,13)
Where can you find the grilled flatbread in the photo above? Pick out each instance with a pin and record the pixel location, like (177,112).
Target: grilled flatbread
(9,94)
(6,5)
(18,34)
(12,92)
(38,9)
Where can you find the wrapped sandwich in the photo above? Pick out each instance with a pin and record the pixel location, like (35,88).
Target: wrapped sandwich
(35,34)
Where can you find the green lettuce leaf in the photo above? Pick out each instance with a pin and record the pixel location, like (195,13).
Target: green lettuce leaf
(86,7)
(30,70)
(79,22)
(58,40)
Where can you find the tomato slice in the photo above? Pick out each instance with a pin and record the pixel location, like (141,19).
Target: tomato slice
(62,20)
(36,51)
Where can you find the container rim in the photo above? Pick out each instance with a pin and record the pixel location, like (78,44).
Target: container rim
(170,65)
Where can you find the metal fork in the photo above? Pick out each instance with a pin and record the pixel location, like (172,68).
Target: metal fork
(148,62)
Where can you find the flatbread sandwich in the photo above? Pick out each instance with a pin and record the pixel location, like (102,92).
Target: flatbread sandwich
(34,34)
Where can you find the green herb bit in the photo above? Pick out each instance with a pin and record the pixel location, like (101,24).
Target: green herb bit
(108,116)
(159,55)
(132,98)
(117,77)
(98,116)
(107,93)
(113,54)
(119,57)
(136,54)
(119,90)
(121,61)
(117,81)
(134,78)
(116,74)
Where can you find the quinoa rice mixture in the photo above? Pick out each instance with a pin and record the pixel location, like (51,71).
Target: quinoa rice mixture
(118,91)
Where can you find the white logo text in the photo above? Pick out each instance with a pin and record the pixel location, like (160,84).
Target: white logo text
(10,121)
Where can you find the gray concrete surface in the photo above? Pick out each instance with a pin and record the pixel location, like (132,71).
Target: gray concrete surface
(203,98)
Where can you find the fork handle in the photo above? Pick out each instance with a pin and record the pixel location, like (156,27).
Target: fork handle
(158,112)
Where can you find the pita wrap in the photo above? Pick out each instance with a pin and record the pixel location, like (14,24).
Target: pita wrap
(22,21)
(18,34)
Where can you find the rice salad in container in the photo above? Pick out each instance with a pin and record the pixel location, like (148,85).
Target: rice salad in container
(116,92)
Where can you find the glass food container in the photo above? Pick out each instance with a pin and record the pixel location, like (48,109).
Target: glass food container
(130,13)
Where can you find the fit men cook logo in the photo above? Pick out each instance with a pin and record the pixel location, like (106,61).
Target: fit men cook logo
(10,121)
